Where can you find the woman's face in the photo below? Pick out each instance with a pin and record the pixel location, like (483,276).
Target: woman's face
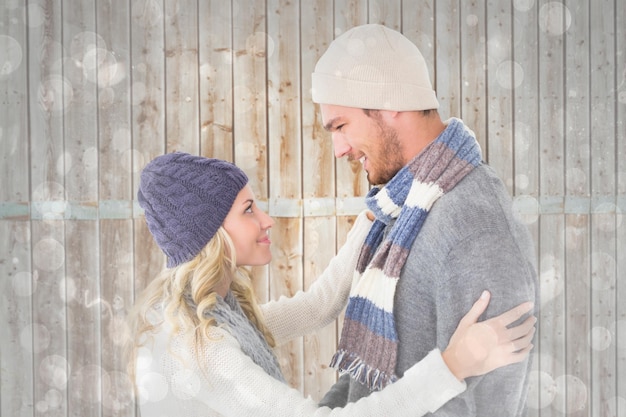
(248,227)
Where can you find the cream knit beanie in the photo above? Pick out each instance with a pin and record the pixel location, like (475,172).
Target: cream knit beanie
(373,67)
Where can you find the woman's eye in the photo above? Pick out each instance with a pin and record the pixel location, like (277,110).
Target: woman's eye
(249,209)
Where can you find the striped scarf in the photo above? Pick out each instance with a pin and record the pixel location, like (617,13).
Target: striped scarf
(368,345)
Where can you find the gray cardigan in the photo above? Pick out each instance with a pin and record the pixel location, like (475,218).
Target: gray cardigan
(470,241)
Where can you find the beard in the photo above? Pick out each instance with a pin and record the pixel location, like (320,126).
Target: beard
(388,155)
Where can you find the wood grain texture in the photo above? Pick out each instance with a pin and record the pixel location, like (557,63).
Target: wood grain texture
(92,91)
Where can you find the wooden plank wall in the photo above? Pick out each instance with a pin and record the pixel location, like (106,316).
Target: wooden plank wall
(91,91)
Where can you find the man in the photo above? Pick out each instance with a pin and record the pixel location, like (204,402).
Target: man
(444,232)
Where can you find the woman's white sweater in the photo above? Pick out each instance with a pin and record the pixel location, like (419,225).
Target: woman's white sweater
(227,382)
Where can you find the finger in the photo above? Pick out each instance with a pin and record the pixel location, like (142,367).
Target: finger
(477,309)
(523,342)
(522,354)
(522,329)
(513,314)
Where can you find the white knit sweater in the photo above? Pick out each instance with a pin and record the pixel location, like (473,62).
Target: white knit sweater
(228,383)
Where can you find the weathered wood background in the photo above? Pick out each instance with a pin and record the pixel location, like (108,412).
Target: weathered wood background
(92,90)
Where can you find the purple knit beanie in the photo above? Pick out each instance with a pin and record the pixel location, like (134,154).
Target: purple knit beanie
(186,199)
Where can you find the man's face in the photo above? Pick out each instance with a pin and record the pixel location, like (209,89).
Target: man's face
(367,138)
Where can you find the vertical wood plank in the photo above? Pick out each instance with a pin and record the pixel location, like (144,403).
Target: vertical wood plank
(216,79)
(619,336)
(285,165)
(448,59)
(551,240)
(286,270)
(319,234)
(16,319)
(318,182)
(80,125)
(386,13)
(117,289)
(418,24)
(16,339)
(350,176)
(181,76)
(475,53)
(500,85)
(252,46)
(603,236)
(114,102)
(577,187)
(86,48)
(49,96)
(249,106)
(318,161)
(526,168)
(84,307)
(148,124)
(51,362)
(148,84)
(116,195)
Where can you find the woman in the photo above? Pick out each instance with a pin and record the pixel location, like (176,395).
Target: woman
(203,347)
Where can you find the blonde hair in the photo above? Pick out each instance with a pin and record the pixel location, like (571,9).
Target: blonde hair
(196,281)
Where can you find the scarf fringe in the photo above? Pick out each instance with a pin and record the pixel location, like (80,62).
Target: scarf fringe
(374,379)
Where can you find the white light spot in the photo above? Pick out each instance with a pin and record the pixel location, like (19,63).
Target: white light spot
(523,5)
(526,208)
(55,94)
(510,75)
(471,20)
(541,387)
(49,254)
(67,290)
(147,13)
(571,394)
(576,181)
(36,16)
(23,284)
(144,358)
(121,139)
(499,47)
(551,281)
(602,271)
(522,181)
(90,159)
(152,387)
(608,217)
(11,57)
(136,159)
(554,18)
(53,371)
(35,338)
(599,338)
(54,398)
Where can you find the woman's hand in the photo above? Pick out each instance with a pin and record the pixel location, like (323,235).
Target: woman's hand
(477,348)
